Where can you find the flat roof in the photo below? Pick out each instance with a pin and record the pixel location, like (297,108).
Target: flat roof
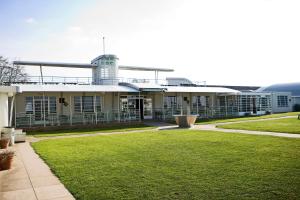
(201,89)
(55,64)
(74,88)
(155,87)
(8,89)
(146,87)
(125,67)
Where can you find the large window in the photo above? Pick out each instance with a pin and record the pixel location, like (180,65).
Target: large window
(87,103)
(282,101)
(172,102)
(200,101)
(38,105)
(29,105)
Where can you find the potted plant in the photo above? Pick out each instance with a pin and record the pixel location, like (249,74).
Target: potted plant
(4,143)
(6,157)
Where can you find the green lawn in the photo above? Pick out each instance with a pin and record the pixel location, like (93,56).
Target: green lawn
(181,164)
(213,121)
(115,128)
(288,125)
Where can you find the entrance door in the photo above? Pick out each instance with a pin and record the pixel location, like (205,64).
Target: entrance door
(38,108)
(136,105)
(254,105)
(140,107)
(147,108)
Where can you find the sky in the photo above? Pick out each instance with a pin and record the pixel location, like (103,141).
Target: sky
(232,42)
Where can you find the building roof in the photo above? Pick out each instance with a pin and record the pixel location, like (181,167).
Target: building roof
(55,64)
(75,88)
(125,67)
(145,87)
(155,87)
(237,87)
(124,87)
(294,88)
(8,89)
(201,89)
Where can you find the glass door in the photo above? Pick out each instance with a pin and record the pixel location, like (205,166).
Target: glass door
(147,108)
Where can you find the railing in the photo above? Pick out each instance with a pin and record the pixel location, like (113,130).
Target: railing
(87,80)
(203,112)
(31,120)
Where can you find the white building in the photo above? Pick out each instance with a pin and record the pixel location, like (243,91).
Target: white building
(104,98)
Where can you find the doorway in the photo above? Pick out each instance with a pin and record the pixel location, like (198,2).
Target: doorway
(134,105)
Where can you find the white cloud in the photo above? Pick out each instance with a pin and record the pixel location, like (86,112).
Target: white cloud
(30,20)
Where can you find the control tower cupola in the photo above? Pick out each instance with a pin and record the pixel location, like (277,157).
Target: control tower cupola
(106,70)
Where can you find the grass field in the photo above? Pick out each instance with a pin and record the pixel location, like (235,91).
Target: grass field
(177,164)
(288,125)
(213,121)
(115,128)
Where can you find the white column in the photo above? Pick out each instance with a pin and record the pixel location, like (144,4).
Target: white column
(15,113)
(44,109)
(3,109)
(118,102)
(225,105)
(70,110)
(140,118)
(11,109)
(163,107)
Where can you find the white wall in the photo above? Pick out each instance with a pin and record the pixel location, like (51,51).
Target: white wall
(275,108)
(3,109)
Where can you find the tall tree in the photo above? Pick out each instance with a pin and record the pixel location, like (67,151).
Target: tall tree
(10,73)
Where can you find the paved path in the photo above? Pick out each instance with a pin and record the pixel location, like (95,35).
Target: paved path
(213,127)
(30,178)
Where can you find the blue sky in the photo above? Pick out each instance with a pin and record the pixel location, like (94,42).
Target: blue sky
(236,42)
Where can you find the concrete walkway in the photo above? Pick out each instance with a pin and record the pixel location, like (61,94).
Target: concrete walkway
(212,127)
(30,178)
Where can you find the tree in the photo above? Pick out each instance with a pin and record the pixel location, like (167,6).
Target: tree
(10,73)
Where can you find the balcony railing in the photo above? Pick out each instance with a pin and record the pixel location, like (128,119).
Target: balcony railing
(89,80)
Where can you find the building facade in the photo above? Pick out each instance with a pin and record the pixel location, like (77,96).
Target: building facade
(106,98)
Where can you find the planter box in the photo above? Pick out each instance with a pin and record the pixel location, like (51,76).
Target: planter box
(185,121)
(20,136)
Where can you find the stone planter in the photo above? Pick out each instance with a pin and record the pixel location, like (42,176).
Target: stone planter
(4,143)
(6,158)
(20,136)
(185,121)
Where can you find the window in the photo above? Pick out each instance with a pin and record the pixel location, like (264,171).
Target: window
(29,105)
(52,104)
(98,104)
(282,101)
(35,105)
(87,104)
(170,102)
(77,104)
(200,101)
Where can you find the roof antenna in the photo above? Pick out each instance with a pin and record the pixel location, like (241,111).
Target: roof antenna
(103,45)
